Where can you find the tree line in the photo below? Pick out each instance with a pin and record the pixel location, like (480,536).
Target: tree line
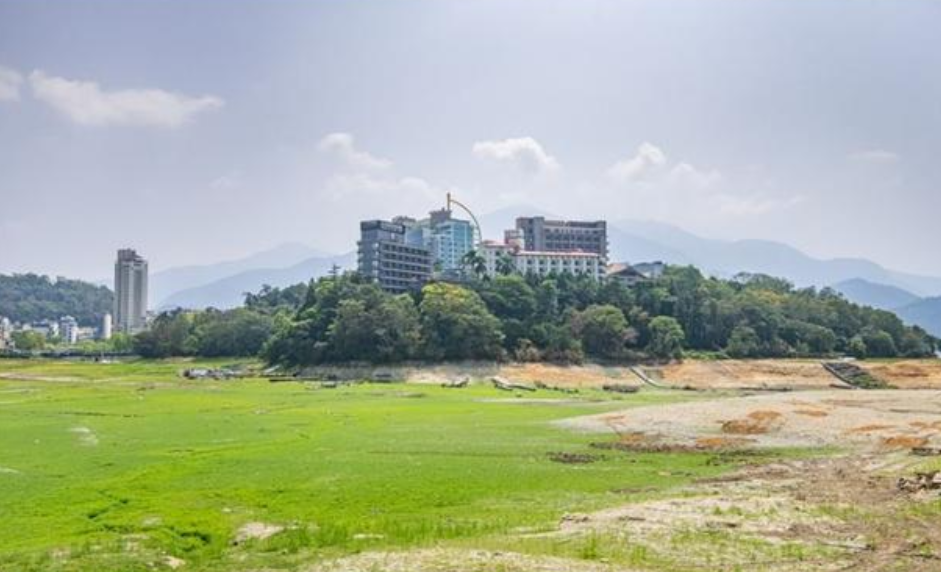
(563,318)
(567,319)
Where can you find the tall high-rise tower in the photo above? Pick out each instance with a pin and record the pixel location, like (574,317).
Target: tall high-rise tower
(130,292)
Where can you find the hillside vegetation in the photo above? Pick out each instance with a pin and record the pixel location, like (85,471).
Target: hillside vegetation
(31,297)
(566,318)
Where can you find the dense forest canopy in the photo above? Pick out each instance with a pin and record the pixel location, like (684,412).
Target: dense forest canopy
(216,333)
(561,318)
(567,318)
(31,298)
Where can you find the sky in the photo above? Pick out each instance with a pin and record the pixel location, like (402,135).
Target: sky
(207,130)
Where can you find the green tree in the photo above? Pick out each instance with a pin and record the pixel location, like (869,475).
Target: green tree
(602,329)
(28,340)
(505,265)
(666,338)
(457,325)
(474,264)
(387,331)
(237,332)
(744,342)
(857,347)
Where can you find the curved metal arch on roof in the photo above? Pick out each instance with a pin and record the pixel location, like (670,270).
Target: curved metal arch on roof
(480,234)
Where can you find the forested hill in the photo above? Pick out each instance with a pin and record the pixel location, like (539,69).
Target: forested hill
(565,318)
(30,297)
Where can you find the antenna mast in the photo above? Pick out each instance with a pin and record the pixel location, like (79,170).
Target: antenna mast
(480,234)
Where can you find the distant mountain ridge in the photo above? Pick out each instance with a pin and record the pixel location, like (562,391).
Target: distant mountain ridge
(876,295)
(165,283)
(222,285)
(228,292)
(639,240)
(633,241)
(925,313)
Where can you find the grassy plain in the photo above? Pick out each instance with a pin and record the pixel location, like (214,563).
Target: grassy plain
(120,466)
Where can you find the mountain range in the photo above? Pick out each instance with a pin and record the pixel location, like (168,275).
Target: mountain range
(916,298)
(924,312)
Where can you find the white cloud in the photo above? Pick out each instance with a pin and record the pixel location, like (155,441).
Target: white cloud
(10,81)
(648,159)
(685,174)
(341,146)
(403,194)
(875,157)
(753,205)
(86,103)
(227,182)
(524,152)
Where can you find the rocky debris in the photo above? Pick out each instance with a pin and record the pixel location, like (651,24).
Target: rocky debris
(926,451)
(574,518)
(212,373)
(507,385)
(173,562)
(574,458)
(922,481)
(619,388)
(461,382)
(543,385)
(854,375)
(256,531)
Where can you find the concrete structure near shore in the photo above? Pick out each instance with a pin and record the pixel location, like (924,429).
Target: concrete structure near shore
(68,330)
(130,292)
(105,332)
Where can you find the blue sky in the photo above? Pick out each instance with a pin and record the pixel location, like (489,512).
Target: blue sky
(201,131)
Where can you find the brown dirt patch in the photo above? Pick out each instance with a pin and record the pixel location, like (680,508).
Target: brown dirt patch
(908,374)
(723,442)
(811,412)
(740,374)
(872,428)
(904,442)
(755,423)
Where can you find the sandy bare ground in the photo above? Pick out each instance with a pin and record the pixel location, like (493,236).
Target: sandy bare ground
(908,374)
(457,560)
(832,513)
(738,374)
(884,419)
(842,513)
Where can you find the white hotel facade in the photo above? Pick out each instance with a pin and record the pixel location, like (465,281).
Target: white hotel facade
(542,263)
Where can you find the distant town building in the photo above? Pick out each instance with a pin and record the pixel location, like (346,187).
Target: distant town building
(130,292)
(634,274)
(396,260)
(651,269)
(68,330)
(540,263)
(447,238)
(105,332)
(46,328)
(541,235)
(6,332)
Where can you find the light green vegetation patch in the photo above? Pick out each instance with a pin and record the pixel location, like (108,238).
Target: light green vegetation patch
(118,466)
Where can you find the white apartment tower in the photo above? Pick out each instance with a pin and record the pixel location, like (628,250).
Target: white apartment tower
(130,292)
